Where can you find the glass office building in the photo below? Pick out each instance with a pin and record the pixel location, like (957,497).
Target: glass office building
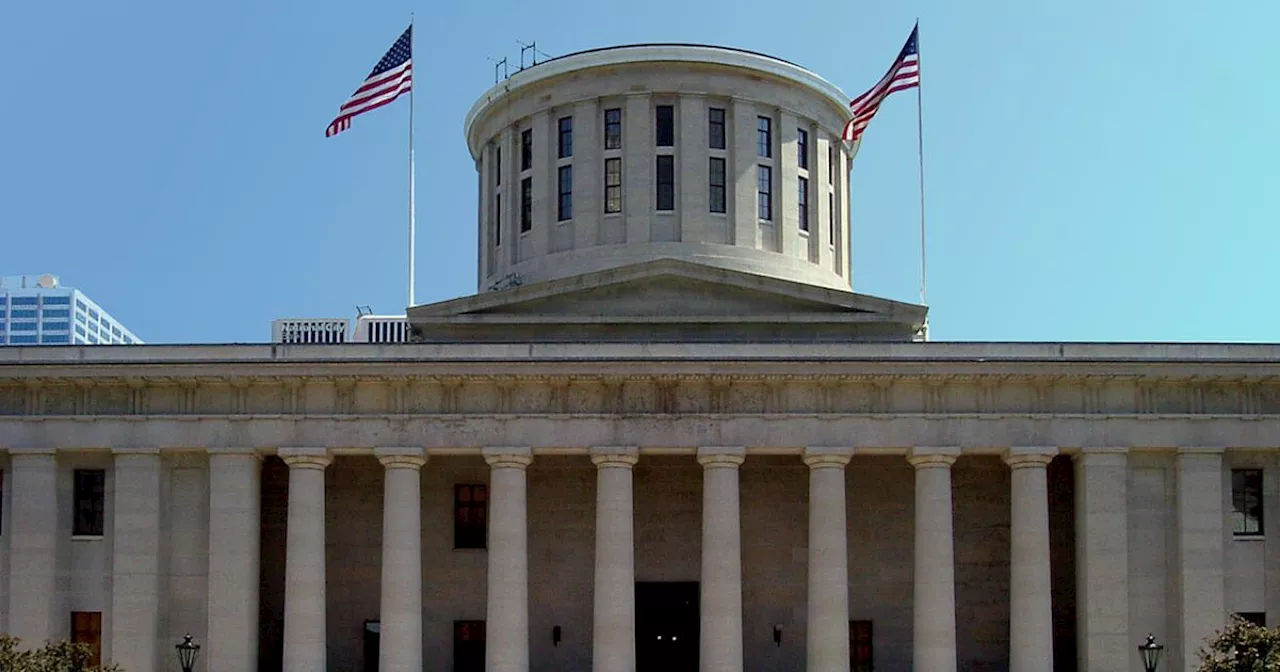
(38,310)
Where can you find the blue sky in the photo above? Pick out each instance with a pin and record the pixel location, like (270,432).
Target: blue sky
(1096,170)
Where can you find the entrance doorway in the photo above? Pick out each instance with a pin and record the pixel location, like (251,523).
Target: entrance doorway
(667,626)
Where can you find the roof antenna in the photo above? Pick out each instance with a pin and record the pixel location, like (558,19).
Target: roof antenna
(496,65)
(532,46)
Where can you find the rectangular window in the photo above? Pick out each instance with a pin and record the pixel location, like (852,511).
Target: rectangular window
(715,182)
(802,202)
(861,646)
(831,163)
(470,515)
(81,318)
(802,148)
(115,330)
(613,185)
(497,219)
(565,145)
(22,326)
(831,219)
(666,182)
(57,326)
(55,340)
(80,330)
(764,192)
(497,166)
(566,193)
(666,130)
(80,305)
(764,136)
(22,300)
(57,301)
(613,128)
(56,312)
(526,149)
(18,313)
(90,497)
(468,646)
(86,628)
(22,339)
(526,204)
(715,128)
(1246,502)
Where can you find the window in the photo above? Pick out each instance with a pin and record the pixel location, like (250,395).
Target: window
(1246,502)
(86,628)
(80,330)
(93,314)
(22,300)
(715,128)
(497,166)
(565,145)
(114,330)
(128,340)
(802,202)
(468,646)
(526,204)
(57,326)
(613,185)
(764,137)
(715,182)
(22,326)
(22,339)
(764,192)
(802,148)
(1258,618)
(17,313)
(56,340)
(81,318)
(861,646)
(470,509)
(57,312)
(613,128)
(666,132)
(497,219)
(57,301)
(90,493)
(666,182)
(831,218)
(566,193)
(526,149)
(80,305)
(831,163)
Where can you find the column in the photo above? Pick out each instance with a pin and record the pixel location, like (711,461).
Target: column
(934,633)
(401,612)
(507,611)
(235,514)
(721,627)
(1102,560)
(613,643)
(1202,608)
(135,560)
(1031,609)
(33,546)
(304,578)
(828,627)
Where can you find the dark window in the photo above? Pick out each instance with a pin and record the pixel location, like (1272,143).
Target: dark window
(565,146)
(715,128)
(49,338)
(802,148)
(566,193)
(90,495)
(1246,502)
(613,185)
(831,219)
(526,204)
(613,128)
(57,326)
(802,202)
(372,645)
(861,646)
(17,313)
(468,646)
(1258,618)
(57,300)
(56,312)
(715,181)
(764,192)
(526,149)
(86,628)
(666,182)
(24,301)
(497,165)
(764,136)
(497,219)
(666,135)
(470,509)
(831,163)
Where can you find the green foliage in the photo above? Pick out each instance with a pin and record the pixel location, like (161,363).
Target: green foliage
(1242,647)
(60,656)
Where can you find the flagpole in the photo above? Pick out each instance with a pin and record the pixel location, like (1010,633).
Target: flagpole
(920,148)
(411,171)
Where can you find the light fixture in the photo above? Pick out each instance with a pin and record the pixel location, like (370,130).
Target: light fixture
(187,652)
(1150,653)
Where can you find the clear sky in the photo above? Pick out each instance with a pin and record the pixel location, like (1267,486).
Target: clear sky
(1096,170)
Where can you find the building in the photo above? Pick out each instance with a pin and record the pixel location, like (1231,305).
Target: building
(670,439)
(39,310)
(368,329)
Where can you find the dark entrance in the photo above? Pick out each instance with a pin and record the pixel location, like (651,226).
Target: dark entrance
(667,627)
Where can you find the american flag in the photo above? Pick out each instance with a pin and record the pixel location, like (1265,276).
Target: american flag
(392,76)
(903,74)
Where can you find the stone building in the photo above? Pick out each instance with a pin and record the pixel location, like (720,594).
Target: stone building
(670,438)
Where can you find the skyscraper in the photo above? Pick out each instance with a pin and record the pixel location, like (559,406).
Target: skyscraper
(39,310)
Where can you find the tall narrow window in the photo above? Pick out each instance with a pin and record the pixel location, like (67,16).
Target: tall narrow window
(666,121)
(470,509)
(666,182)
(526,204)
(802,148)
(565,145)
(831,219)
(613,185)
(86,628)
(526,149)
(715,128)
(764,192)
(831,163)
(497,165)
(1246,502)
(468,646)
(715,182)
(566,193)
(613,128)
(764,137)
(802,202)
(90,499)
(861,646)
(497,219)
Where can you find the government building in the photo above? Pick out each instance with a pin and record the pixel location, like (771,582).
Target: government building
(664,435)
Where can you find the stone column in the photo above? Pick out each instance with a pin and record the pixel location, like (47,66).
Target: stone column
(135,560)
(1201,520)
(934,633)
(401,612)
(828,627)
(507,611)
(721,628)
(304,566)
(613,643)
(1031,608)
(33,546)
(1102,560)
(235,514)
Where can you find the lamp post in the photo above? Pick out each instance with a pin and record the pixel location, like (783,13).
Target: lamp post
(1150,653)
(187,652)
